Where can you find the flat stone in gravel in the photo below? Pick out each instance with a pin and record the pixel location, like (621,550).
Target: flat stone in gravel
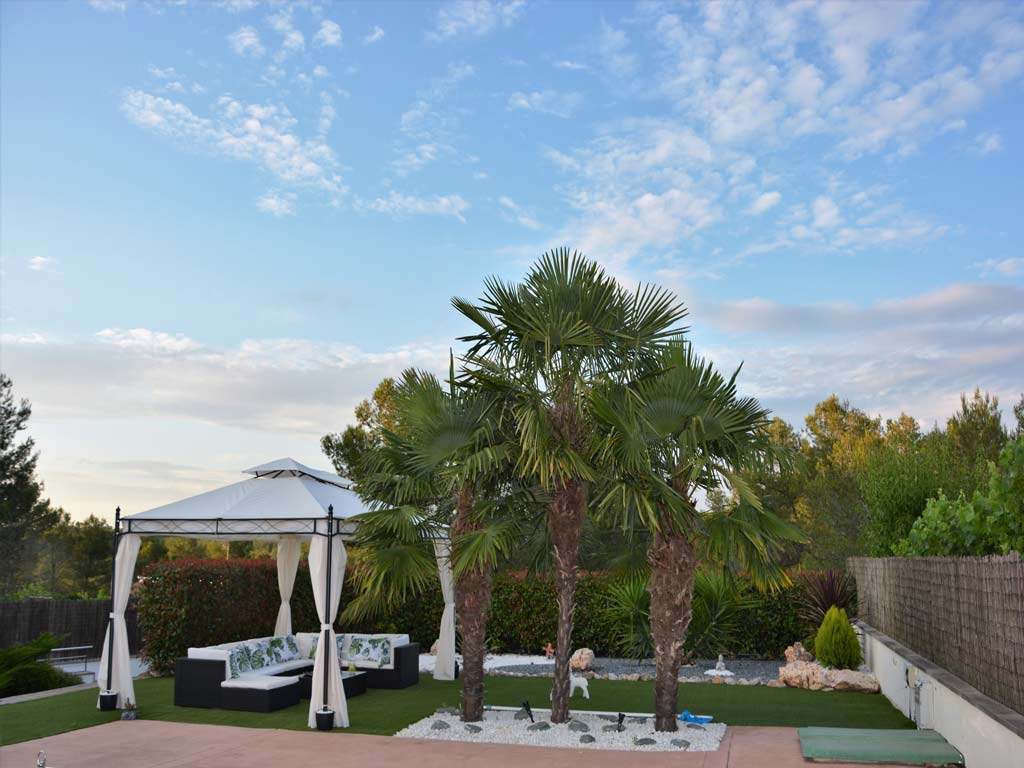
(541,726)
(614,727)
(473,728)
(579,727)
(586,738)
(681,743)
(521,715)
(645,742)
(439,725)
(695,727)
(448,711)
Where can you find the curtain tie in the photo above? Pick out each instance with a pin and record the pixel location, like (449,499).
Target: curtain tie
(325,627)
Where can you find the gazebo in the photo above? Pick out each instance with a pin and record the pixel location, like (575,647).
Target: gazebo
(285,502)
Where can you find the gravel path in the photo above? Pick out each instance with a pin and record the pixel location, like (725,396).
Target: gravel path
(584,731)
(743,668)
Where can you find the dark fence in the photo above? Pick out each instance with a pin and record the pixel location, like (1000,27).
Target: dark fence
(965,614)
(72,622)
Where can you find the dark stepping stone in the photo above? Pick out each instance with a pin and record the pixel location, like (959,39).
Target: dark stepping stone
(640,720)
(586,738)
(696,727)
(644,742)
(521,715)
(439,725)
(448,711)
(576,725)
(609,718)
(613,728)
(681,743)
(541,726)
(473,728)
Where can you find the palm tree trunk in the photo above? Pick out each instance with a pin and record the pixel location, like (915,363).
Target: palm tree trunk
(673,568)
(472,602)
(565,521)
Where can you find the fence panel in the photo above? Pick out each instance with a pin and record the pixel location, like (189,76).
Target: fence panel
(73,622)
(966,614)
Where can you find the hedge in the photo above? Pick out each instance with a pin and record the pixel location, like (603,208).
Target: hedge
(196,603)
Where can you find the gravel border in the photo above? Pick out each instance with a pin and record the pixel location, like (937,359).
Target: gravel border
(746,671)
(586,730)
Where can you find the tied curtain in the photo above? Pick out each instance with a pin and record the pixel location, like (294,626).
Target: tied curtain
(327,661)
(121,670)
(444,667)
(288,551)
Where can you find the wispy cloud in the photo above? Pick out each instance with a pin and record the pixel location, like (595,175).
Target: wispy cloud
(401,205)
(245,41)
(42,264)
(517,213)
(765,202)
(1011,267)
(277,203)
(987,143)
(109,6)
(548,102)
(376,34)
(329,34)
(475,18)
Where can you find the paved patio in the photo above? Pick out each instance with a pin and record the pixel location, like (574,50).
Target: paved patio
(157,744)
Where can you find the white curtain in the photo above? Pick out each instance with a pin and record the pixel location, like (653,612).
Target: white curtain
(444,666)
(327,662)
(288,551)
(121,671)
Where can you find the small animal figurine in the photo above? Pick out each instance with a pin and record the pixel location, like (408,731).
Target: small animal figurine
(549,651)
(721,663)
(577,682)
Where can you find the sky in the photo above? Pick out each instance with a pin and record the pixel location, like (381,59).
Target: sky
(222,223)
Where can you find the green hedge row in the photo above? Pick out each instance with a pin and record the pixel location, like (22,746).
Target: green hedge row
(195,603)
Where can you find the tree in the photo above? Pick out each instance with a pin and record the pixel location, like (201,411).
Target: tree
(542,345)
(1018,414)
(976,436)
(348,448)
(443,470)
(680,431)
(24,514)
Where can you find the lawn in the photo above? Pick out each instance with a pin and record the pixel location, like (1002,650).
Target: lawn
(385,711)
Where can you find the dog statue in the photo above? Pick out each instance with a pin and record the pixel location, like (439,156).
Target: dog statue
(577,682)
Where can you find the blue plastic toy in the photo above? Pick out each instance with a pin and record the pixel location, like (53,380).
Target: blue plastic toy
(686,717)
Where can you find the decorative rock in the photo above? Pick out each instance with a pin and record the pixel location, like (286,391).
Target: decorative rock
(614,727)
(473,728)
(448,711)
(586,738)
(681,743)
(439,725)
(583,659)
(539,726)
(522,715)
(639,720)
(609,718)
(850,680)
(797,652)
(695,726)
(644,742)
(775,684)
(576,725)
(813,677)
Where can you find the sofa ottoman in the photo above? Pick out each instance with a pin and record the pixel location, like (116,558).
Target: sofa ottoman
(259,693)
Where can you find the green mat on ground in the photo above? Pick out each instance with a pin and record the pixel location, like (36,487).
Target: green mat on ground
(867,745)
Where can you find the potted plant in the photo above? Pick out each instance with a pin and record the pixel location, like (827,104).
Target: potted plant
(129,712)
(108,701)
(324,719)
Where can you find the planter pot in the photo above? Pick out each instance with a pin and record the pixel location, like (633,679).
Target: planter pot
(324,720)
(108,701)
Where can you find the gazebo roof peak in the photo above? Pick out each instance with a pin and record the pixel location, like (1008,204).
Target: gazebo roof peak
(290,467)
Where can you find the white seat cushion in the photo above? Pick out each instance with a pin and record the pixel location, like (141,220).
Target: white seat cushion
(258,682)
(284,666)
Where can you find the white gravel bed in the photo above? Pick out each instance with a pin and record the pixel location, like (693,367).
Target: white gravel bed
(491,661)
(501,727)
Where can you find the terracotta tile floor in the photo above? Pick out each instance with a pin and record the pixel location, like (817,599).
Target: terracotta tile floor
(156,744)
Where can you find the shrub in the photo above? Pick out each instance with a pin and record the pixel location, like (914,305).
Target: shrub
(771,622)
(820,590)
(629,614)
(20,672)
(717,615)
(836,644)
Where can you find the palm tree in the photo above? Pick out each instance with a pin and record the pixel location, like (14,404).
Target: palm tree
(444,474)
(542,345)
(678,431)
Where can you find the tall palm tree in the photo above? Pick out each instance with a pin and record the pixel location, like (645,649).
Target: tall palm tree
(679,431)
(445,475)
(543,344)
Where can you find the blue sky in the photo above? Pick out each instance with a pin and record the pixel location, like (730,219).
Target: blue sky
(223,223)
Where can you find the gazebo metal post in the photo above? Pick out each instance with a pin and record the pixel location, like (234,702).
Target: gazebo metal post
(327,599)
(113,576)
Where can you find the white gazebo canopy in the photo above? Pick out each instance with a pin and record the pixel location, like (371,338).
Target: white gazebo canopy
(286,502)
(283,498)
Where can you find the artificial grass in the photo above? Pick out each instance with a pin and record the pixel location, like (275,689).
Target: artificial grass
(384,712)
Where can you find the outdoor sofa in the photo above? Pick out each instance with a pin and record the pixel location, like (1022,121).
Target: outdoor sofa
(265,674)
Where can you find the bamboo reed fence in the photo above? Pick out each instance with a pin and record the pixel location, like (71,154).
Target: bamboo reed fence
(965,614)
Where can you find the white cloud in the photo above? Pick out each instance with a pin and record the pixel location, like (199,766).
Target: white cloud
(987,143)
(41,263)
(1011,267)
(329,34)
(147,341)
(573,66)
(327,113)
(375,34)
(826,213)
(400,205)
(517,213)
(431,124)
(475,18)
(109,6)
(417,157)
(548,102)
(277,203)
(262,134)
(320,71)
(245,41)
(765,202)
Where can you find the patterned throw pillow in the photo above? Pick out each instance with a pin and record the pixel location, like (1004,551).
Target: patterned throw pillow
(258,655)
(312,647)
(368,651)
(292,647)
(276,650)
(238,660)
